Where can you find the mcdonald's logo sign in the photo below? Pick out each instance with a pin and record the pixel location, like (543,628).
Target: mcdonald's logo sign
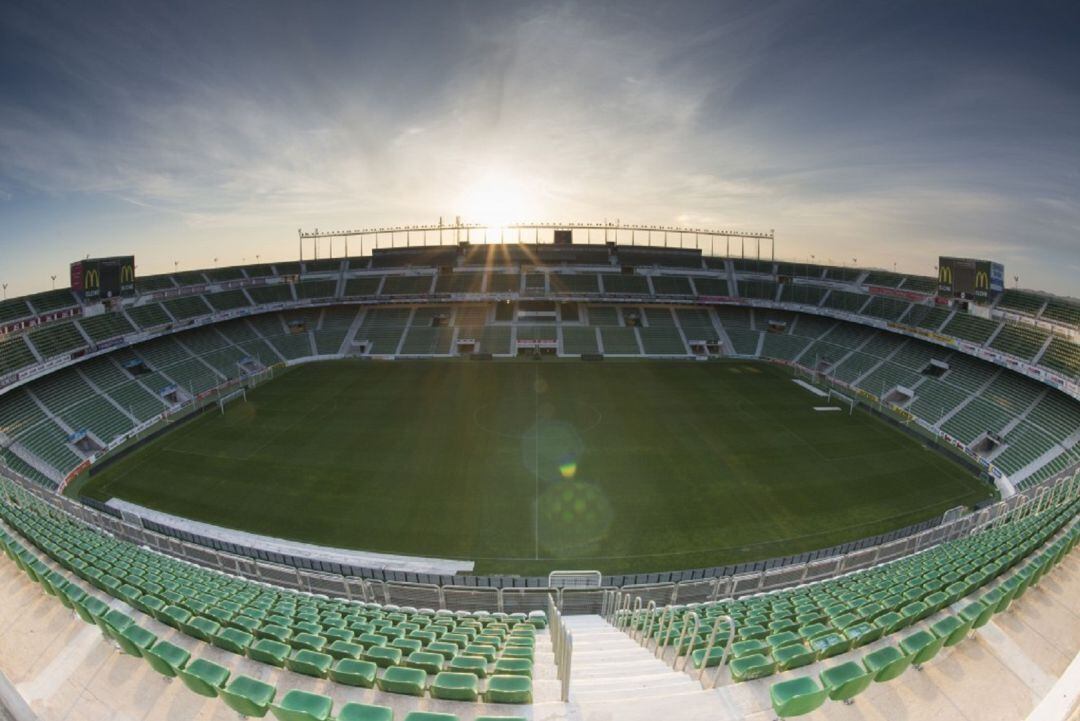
(127,274)
(92,279)
(982,280)
(945,274)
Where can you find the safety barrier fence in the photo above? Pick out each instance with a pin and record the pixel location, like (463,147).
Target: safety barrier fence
(650,623)
(569,601)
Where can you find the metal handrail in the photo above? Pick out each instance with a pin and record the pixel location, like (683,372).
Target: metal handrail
(664,631)
(709,648)
(687,617)
(635,615)
(650,609)
(562,645)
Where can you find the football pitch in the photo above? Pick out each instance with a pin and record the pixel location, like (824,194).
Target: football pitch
(526,466)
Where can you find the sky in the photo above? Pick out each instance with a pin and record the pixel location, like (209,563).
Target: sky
(888,132)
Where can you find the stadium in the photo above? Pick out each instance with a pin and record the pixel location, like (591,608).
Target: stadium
(545,471)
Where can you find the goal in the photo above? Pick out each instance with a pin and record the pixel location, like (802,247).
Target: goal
(835,395)
(224,398)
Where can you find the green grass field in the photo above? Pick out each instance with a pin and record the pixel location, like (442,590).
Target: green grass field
(526,466)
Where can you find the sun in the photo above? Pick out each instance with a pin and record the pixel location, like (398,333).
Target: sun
(495,200)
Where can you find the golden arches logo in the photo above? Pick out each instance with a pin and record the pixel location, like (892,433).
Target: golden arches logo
(945,274)
(93,279)
(127,274)
(982,280)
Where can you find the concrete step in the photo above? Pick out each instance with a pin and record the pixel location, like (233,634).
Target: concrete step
(627,694)
(632,666)
(645,680)
(608,666)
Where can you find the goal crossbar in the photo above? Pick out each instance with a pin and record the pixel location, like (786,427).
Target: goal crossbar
(847,400)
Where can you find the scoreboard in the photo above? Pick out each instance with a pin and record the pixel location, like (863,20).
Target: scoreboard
(970,279)
(98,278)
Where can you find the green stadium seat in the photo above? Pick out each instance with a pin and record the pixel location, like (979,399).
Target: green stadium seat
(432,663)
(205,678)
(749,647)
(796,697)
(952,629)
(269,651)
(135,640)
(200,627)
(518,652)
(352,672)
(299,705)
(452,686)
(333,634)
(383,656)
(444,649)
(485,650)
(508,689)
(345,649)
(697,657)
(514,667)
(399,679)
(476,665)
(364,712)
(829,645)
(310,641)
(175,616)
(248,696)
(887,663)
(921,646)
(977,613)
(430,716)
(233,640)
(113,623)
(274,632)
(846,681)
(406,645)
(367,640)
(310,663)
(166,658)
(890,622)
(793,656)
(750,667)
(783,638)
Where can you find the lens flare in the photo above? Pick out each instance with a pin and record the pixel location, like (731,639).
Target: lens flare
(568,469)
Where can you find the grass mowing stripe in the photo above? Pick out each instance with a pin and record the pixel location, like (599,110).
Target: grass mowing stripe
(627,466)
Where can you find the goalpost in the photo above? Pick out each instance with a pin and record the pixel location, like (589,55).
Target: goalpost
(240,392)
(838,396)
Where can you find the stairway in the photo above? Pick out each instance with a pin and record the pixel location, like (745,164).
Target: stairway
(609,667)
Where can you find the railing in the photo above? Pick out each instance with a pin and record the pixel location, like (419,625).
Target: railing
(562,643)
(638,622)
(615,604)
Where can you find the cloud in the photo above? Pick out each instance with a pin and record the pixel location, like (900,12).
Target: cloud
(876,131)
